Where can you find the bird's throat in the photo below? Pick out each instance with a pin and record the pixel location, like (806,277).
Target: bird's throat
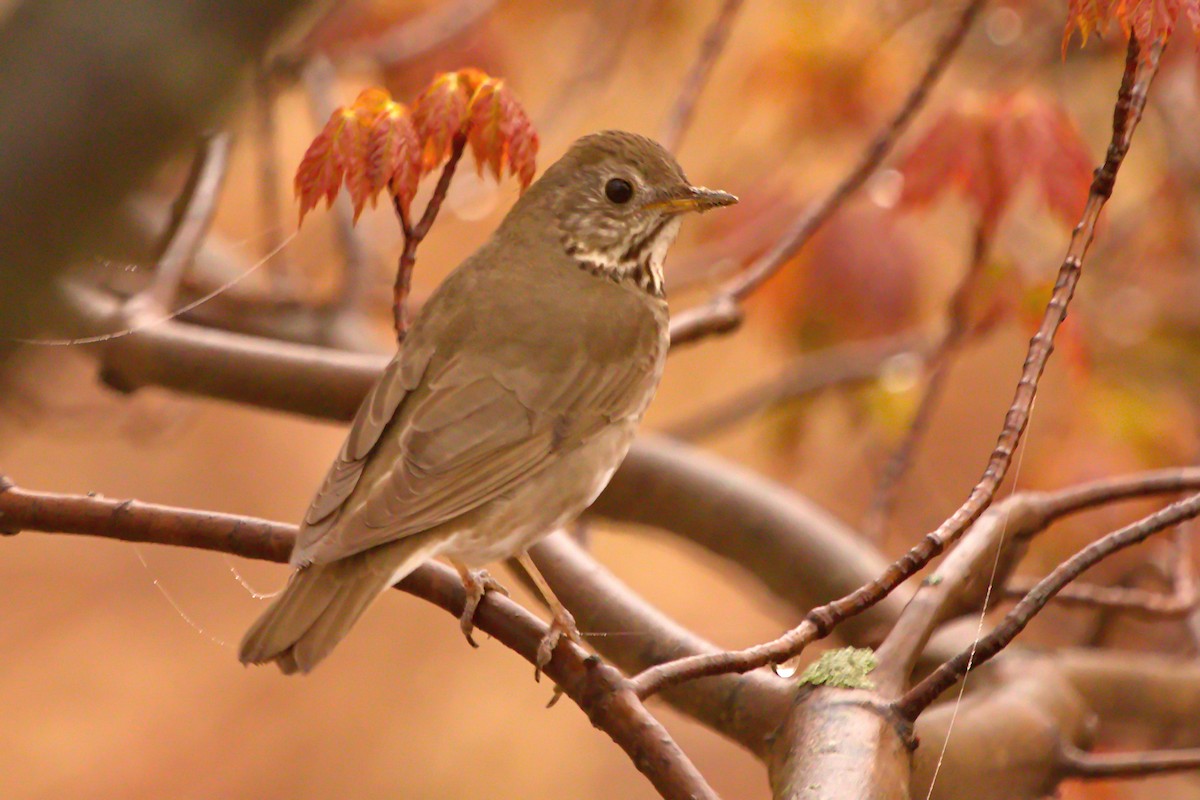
(639,263)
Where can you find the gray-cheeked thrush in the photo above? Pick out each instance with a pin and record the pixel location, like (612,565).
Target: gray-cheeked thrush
(511,403)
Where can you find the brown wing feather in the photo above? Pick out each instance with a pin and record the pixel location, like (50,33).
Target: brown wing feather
(402,375)
(470,434)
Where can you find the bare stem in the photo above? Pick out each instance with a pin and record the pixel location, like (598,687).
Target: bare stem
(924,693)
(1113,598)
(270,204)
(721,313)
(837,365)
(937,368)
(415,234)
(191,218)
(818,623)
(599,690)
(697,78)
(1076,763)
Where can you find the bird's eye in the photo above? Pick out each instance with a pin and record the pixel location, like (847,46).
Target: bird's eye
(618,190)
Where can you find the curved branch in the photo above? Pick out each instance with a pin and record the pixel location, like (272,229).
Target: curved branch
(710,50)
(838,365)
(1076,763)
(920,696)
(723,312)
(798,551)
(959,586)
(1131,102)
(599,690)
(746,708)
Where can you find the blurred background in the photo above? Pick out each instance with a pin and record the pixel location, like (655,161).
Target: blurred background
(120,677)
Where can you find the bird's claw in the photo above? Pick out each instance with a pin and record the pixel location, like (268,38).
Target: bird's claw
(477,583)
(563,624)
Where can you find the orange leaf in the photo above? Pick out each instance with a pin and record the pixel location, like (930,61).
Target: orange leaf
(501,134)
(325,162)
(987,147)
(439,113)
(1151,21)
(389,151)
(489,128)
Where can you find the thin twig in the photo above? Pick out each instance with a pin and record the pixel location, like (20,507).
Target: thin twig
(598,689)
(937,368)
(723,313)
(415,234)
(611,24)
(992,548)
(1076,763)
(1113,598)
(697,78)
(818,623)
(914,701)
(838,365)
(191,218)
(270,203)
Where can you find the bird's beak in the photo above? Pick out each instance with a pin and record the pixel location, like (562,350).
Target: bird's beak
(691,198)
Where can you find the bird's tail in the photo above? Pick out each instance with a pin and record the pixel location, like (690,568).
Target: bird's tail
(323,601)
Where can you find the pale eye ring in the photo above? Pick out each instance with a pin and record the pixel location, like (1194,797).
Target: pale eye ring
(618,190)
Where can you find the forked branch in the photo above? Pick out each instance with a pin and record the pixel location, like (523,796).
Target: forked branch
(723,312)
(818,623)
(924,693)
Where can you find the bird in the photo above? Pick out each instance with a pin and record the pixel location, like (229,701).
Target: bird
(510,404)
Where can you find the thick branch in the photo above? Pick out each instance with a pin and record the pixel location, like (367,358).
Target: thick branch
(928,690)
(599,690)
(746,708)
(697,78)
(1131,101)
(723,312)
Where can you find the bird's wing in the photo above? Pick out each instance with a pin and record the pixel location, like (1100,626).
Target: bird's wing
(401,376)
(470,433)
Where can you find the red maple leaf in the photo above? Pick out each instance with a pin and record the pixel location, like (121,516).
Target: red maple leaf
(987,147)
(1151,21)
(376,143)
(439,113)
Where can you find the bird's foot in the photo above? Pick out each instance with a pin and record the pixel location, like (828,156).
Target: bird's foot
(477,583)
(563,624)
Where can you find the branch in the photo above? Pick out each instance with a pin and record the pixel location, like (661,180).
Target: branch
(78,61)
(920,696)
(599,690)
(191,217)
(1114,598)
(1131,101)
(270,204)
(838,365)
(415,234)
(746,708)
(710,50)
(1076,763)
(723,312)
(962,582)
(795,549)
(937,368)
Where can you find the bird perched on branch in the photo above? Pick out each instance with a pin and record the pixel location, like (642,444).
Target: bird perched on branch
(513,400)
